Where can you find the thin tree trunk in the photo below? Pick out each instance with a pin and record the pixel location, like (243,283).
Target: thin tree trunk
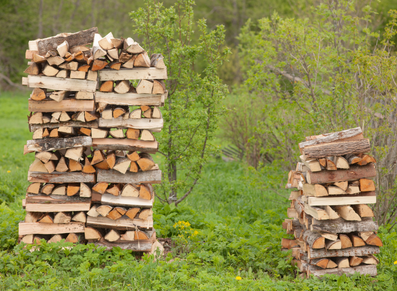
(40,32)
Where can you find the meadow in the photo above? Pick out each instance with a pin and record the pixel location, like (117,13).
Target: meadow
(226,236)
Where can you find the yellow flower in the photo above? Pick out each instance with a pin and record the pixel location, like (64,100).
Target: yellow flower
(8,171)
(395,262)
(238,278)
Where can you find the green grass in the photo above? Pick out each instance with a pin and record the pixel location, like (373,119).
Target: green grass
(226,228)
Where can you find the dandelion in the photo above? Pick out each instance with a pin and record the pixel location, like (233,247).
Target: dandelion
(8,171)
(395,262)
(238,278)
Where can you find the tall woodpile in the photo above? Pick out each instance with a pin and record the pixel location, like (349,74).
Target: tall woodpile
(331,221)
(93,113)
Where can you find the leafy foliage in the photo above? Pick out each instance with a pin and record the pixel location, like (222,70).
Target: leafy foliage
(195,91)
(322,75)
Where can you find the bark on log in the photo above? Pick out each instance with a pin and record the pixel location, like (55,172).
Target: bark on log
(111,176)
(342,226)
(58,143)
(337,149)
(361,251)
(56,177)
(354,173)
(332,137)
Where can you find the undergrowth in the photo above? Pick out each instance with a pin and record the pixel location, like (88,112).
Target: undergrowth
(227,237)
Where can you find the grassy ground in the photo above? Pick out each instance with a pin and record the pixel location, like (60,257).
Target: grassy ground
(226,230)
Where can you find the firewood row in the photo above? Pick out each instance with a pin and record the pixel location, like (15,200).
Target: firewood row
(330,219)
(94,110)
(143,191)
(80,160)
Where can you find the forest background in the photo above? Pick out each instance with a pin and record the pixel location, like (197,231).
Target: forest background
(295,68)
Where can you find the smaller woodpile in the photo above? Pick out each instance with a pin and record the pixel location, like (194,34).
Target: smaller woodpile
(93,113)
(330,219)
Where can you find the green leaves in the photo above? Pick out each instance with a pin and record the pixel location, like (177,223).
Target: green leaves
(192,55)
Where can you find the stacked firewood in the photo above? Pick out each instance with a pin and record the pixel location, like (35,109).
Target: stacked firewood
(331,221)
(93,114)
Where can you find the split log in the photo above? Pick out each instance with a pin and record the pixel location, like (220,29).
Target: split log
(34,188)
(146,162)
(144,87)
(331,213)
(33,69)
(122,165)
(316,190)
(347,213)
(142,60)
(314,239)
(345,240)
(106,86)
(117,133)
(72,189)
(133,133)
(132,212)
(64,105)
(61,217)
(341,163)
(104,210)
(114,214)
(374,240)
(363,210)
(100,187)
(342,185)
(92,234)
(50,71)
(146,135)
(75,166)
(38,94)
(157,61)
(129,191)
(112,235)
(145,192)
(114,190)
(370,260)
(85,191)
(342,262)
(117,112)
(88,168)
(122,87)
(92,212)
(60,190)
(355,261)
(144,214)
(367,185)
(356,241)
(99,133)
(288,243)
(333,245)
(316,212)
(74,154)
(80,217)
